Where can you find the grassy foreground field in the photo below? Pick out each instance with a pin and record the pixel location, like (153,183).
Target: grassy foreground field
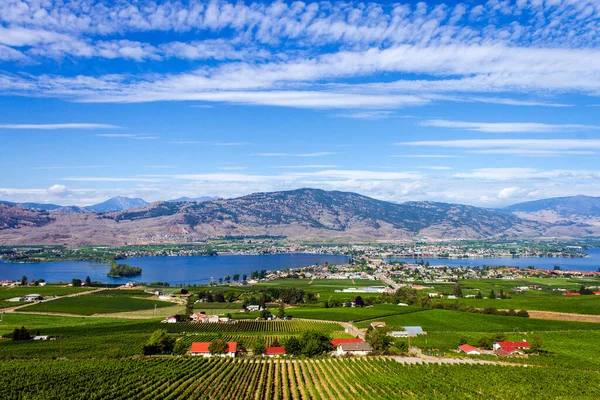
(272,379)
(108,301)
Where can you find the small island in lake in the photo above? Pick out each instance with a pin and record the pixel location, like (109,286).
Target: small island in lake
(123,270)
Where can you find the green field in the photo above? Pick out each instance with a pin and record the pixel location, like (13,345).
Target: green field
(272,379)
(109,301)
(349,313)
(48,290)
(456,321)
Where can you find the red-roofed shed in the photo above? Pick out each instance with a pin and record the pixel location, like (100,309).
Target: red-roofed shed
(337,342)
(201,349)
(275,351)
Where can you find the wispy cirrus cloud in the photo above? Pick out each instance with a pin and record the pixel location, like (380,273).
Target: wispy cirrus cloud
(71,125)
(127,136)
(508,127)
(315,154)
(526,144)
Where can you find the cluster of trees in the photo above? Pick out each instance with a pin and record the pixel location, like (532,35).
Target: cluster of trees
(309,344)
(159,343)
(261,297)
(19,334)
(123,270)
(585,291)
(25,282)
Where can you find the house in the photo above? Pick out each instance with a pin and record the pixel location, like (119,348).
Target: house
(572,294)
(403,304)
(354,349)
(275,351)
(508,348)
(130,284)
(203,318)
(41,338)
(597,293)
(337,342)
(254,307)
(201,349)
(469,350)
(378,324)
(156,292)
(34,297)
(409,331)
(172,319)
(16,299)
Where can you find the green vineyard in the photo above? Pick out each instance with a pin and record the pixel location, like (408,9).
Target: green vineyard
(374,379)
(254,326)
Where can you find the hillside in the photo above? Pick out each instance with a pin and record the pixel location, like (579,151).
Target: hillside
(304,214)
(560,210)
(118,203)
(14,217)
(564,206)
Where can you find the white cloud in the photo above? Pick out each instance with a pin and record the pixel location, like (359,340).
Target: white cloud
(508,127)
(315,154)
(307,166)
(526,144)
(436,167)
(58,190)
(57,126)
(424,155)
(127,136)
(528,174)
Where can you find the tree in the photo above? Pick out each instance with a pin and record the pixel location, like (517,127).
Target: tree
(220,281)
(159,343)
(24,281)
(315,344)
(359,302)
(244,277)
(227,278)
(218,347)
(21,334)
(478,295)
(88,281)
(180,348)
(281,311)
(379,339)
(76,282)
(457,290)
(189,306)
(485,343)
(183,291)
(536,343)
(492,294)
(259,347)
(265,314)
(292,346)
(236,277)
(501,294)
(462,341)
(523,313)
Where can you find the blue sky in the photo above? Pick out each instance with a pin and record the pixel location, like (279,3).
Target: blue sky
(484,103)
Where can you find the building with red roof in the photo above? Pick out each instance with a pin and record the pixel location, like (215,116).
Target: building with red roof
(201,349)
(508,348)
(275,351)
(470,350)
(337,342)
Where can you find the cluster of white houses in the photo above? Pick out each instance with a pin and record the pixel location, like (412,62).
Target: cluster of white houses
(501,349)
(343,347)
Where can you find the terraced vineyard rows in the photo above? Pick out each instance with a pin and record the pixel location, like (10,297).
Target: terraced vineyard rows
(196,378)
(255,326)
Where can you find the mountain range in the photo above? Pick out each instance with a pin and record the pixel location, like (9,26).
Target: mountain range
(303,214)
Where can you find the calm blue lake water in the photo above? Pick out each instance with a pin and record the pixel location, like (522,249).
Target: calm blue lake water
(196,269)
(590,263)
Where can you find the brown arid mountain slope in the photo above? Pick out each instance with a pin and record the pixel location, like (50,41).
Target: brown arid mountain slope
(303,214)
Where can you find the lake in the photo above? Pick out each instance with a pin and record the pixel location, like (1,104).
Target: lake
(192,269)
(590,263)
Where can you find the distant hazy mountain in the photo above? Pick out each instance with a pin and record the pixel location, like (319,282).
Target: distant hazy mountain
(566,207)
(71,210)
(303,214)
(197,199)
(118,204)
(33,206)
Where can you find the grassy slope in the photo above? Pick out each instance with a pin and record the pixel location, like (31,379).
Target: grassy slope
(88,305)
